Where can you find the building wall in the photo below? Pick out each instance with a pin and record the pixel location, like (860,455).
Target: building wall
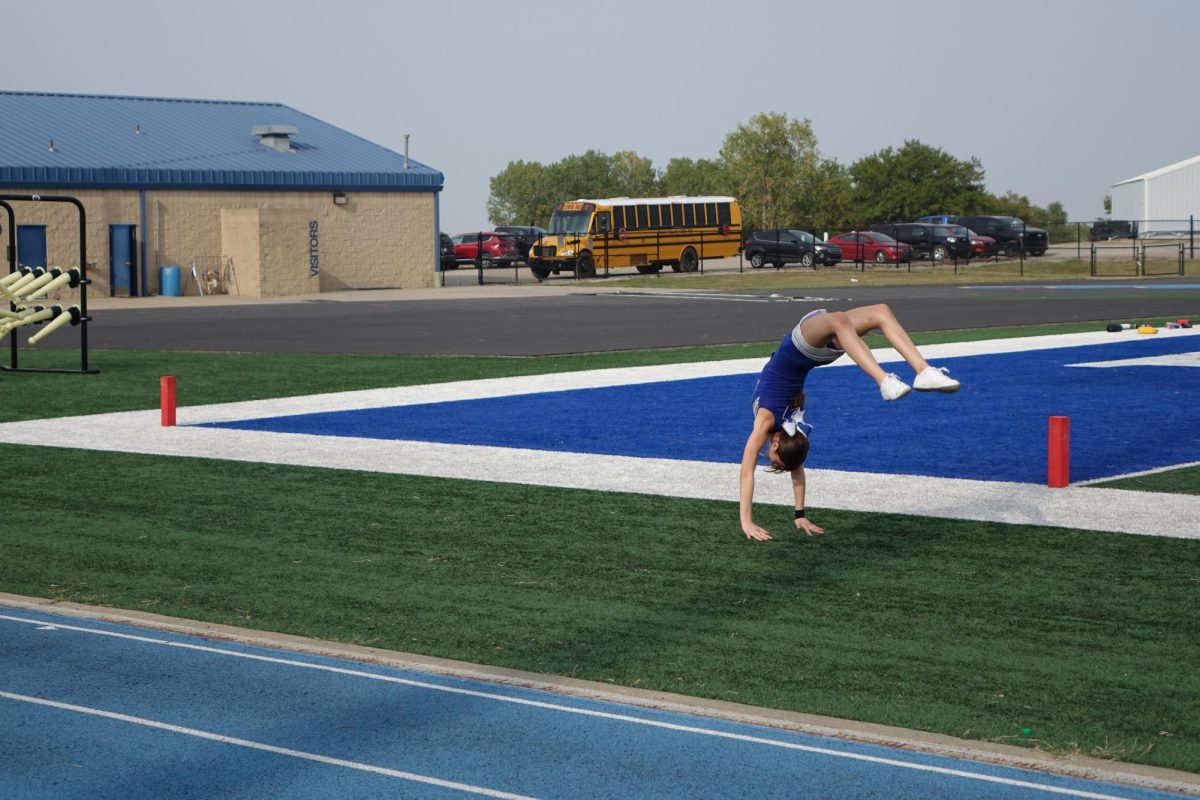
(1171,198)
(1129,201)
(376,240)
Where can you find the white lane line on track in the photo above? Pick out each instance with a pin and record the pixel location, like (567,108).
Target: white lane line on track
(267,748)
(539,704)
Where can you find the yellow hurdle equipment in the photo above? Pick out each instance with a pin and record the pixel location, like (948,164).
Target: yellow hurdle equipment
(69,277)
(12,298)
(12,277)
(35,314)
(1147,329)
(26,279)
(67,315)
(36,286)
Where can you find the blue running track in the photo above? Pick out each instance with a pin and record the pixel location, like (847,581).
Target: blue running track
(1123,419)
(96,710)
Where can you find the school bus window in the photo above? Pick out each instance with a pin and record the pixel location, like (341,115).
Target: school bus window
(689,214)
(664,212)
(655,220)
(722,213)
(618,217)
(642,217)
(712,213)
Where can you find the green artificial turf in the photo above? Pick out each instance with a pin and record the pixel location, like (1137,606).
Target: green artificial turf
(965,628)
(1185,480)
(970,629)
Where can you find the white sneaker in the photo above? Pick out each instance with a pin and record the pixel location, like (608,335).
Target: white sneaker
(892,388)
(935,379)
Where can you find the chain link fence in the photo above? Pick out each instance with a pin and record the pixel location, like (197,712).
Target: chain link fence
(1109,248)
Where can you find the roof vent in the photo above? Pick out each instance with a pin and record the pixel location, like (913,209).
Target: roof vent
(275,136)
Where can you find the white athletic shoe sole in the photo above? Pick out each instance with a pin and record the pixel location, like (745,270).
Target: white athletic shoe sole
(935,379)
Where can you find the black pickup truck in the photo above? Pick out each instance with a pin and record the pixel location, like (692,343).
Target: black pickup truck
(1012,235)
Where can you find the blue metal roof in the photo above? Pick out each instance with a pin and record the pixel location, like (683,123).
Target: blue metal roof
(161,143)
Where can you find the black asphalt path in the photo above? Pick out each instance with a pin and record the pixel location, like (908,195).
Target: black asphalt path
(577,323)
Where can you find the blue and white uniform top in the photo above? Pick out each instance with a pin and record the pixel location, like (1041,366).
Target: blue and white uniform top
(783,377)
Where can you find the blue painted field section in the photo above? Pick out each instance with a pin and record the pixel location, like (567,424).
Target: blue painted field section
(99,710)
(1123,419)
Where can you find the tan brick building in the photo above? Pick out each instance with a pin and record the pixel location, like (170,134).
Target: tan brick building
(253,198)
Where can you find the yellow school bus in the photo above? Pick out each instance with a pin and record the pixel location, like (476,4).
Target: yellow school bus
(649,233)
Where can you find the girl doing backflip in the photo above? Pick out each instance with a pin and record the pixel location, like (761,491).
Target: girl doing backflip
(820,338)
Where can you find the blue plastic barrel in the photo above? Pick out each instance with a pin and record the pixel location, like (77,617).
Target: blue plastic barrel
(168,281)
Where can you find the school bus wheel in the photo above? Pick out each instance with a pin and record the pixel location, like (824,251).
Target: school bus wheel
(688,261)
(539,272)
(585,267)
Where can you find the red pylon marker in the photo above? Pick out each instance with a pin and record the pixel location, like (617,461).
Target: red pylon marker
(1058,471)
(166,387)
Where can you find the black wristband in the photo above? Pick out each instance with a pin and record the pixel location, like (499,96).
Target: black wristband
(799,513)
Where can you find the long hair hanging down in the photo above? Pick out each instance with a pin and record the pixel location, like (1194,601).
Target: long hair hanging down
(793,449)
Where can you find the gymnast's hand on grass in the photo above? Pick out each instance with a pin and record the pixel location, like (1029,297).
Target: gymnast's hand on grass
(809,528)
(754,532)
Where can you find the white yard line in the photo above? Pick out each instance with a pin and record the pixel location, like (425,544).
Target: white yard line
(1073,507)
(952,498)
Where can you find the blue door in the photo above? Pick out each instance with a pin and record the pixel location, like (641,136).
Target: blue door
(31,245)
(122,255)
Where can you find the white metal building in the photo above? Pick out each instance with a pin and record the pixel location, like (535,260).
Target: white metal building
(1165,200)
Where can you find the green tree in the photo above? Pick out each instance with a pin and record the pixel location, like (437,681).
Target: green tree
(587,176)
(823,200)
(913,181)
(1053,217)
(520,193)
(772,162)
(696,178)
(633,176)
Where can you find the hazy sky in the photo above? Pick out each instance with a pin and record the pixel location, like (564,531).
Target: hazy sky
(1058,99)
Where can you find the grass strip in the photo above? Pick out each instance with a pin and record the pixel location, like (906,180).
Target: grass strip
(964,628)
(1185,480)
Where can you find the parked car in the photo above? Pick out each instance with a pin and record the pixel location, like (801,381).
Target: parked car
(938,242)
(939,219)
(959,233)
(449,259)
(872,246)
(1012,235)
(526,236)
(983,246)
(499,249)
(1107,229)
(779,246)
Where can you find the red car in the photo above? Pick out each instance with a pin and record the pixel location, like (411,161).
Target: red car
(499,249)
(982,246)
(872,246)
